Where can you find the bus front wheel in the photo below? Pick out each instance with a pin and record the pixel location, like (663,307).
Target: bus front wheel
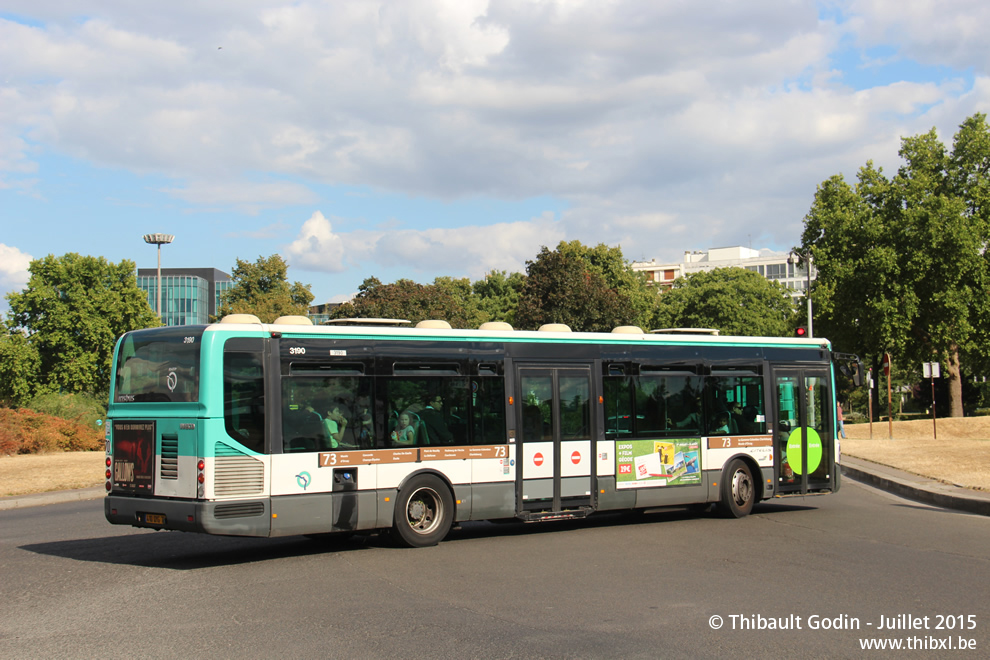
(424,512)
(738,490)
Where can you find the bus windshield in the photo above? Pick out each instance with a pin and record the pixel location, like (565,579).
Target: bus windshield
(160,365)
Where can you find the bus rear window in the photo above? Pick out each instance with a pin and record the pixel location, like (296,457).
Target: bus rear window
(160,364)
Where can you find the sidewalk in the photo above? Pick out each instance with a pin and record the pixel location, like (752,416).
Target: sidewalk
(917,488)
(53,497)
(903,484)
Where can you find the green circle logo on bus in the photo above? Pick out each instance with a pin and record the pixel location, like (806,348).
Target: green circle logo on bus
(794,450)
(303,479)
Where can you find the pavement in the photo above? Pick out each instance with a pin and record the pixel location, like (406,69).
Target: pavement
(904,484)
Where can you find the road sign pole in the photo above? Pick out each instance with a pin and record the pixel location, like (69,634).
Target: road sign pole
(890,405)
(869,397)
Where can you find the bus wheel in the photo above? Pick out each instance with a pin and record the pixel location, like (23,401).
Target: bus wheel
(424,512)
(738,490)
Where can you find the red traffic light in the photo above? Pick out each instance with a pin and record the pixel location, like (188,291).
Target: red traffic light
(801,331)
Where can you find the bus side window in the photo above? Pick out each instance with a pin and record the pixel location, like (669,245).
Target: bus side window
(740,398)
(244,398)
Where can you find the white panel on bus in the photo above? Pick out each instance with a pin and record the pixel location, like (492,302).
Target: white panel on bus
(575,458)
(495,469)
(295,474)
(537,460)
(605,458)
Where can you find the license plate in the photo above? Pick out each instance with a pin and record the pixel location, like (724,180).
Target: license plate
(154,518)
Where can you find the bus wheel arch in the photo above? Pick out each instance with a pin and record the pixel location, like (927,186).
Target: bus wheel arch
(740,489)
(424,511)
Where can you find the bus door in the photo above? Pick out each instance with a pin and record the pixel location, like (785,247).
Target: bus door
(804,430)
(557,450)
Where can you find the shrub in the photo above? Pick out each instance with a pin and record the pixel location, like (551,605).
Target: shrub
(81,408)
(25,431)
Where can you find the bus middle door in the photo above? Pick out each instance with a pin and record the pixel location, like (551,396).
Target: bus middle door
(557,453)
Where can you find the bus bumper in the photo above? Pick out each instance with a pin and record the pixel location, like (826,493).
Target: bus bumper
(237,518)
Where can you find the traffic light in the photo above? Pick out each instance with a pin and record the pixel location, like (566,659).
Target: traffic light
(801,331)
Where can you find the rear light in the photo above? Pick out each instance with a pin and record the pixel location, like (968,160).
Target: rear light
(108,461)
(108,486)
(108,474)
(201,478)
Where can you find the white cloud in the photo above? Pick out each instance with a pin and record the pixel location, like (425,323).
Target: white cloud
(656,124)
(249,197)
(317,247)
(934,33)
(471,250)
(14,273)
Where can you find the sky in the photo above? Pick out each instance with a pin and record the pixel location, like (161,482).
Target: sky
(429,138)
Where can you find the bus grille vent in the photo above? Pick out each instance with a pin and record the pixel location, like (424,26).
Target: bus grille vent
(170,457)
(237,473)
(239,510)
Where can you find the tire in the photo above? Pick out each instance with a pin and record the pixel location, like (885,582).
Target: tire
(738,492)
(424,512)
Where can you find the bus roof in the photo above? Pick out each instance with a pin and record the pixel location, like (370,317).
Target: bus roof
(501,332)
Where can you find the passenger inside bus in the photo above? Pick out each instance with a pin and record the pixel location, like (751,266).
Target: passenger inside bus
(436,427)
(335,424)
(405,432)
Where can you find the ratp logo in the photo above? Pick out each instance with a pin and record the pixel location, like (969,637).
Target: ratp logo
(303,479)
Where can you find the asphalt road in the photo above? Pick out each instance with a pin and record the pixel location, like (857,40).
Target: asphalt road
(629,586)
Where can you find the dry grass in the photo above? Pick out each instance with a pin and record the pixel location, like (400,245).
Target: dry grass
(961,455)
(41,473)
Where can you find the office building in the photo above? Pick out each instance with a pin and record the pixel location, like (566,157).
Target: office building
(190,296)
(777,266)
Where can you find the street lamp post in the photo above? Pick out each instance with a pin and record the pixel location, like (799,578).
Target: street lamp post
(796,258)
(159,240)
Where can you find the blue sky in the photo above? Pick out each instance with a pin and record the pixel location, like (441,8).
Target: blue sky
(452,137)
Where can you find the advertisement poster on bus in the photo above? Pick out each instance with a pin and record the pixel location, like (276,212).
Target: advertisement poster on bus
(668,462)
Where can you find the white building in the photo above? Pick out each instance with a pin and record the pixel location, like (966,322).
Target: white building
(771,265)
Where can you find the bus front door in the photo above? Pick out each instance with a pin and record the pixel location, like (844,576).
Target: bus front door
(557,452)
(804,431)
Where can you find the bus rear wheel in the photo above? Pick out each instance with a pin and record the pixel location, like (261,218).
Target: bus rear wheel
(424,512)
(738,490)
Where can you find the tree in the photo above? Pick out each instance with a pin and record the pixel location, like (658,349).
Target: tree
(902,262)
(618,275)
(498,295)
(70,314)
(19,362)
(734,301)
(263,289)
(562,287)
(446,299)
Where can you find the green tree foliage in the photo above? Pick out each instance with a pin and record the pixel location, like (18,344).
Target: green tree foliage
(448,299)
(19,362)
(63,326)
(262,288)
(902,262)
(618,275)
(735,301)
(562,286)
(498,295)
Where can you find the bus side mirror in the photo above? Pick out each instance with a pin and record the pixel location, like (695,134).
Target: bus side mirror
(857,374)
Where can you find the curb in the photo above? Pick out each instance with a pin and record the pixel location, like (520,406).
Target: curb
(54,497)
(917,488)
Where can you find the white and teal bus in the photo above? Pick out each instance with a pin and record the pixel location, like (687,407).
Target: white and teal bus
(251,429)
